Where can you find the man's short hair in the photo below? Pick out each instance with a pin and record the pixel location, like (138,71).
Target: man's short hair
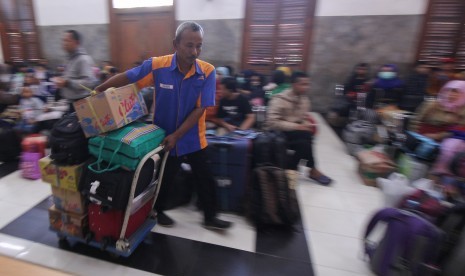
(230,83)
(193,26)
(298,74)
(75,35)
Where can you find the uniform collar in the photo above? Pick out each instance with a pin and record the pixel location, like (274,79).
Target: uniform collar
(174,65)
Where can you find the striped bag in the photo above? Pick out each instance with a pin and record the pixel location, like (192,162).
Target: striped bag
(124,147)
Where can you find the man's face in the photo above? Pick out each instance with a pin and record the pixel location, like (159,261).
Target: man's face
(301,86)
(68,43)
(189,46)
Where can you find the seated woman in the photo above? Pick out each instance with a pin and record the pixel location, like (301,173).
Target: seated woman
(435,119)
(387,88)
(234,110)
(288,112)
(356,82)
(450,109)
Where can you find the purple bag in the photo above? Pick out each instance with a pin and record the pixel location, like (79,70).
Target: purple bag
(410,244)
(29,165)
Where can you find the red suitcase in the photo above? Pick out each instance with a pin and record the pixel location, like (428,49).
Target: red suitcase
(107,224)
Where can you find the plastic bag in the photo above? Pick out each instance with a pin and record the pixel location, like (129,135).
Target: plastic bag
(394,188)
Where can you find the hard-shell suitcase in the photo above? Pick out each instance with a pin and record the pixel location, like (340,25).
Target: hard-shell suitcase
(230,163)
(111,189)
(9,137)
(105,225)
(270,148)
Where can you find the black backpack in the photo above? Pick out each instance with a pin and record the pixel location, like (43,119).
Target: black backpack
(68,142)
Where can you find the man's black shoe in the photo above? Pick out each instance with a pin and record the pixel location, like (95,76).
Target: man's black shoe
(217,224)
(164,220)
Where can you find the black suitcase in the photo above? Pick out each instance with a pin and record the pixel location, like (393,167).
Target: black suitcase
(270,148)
(10,145)
(111,189)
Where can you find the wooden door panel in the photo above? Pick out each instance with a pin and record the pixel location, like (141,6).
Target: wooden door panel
(130,42)
(141,35)
(160,35)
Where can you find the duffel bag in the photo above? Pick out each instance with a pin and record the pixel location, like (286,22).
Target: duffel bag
(111,189)
(124,147)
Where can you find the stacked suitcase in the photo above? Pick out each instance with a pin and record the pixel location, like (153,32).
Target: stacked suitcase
(109,203)
(229,158)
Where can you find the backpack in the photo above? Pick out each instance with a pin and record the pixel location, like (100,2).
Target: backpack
(357,134)
(408,247)
(68,143)
(274,200)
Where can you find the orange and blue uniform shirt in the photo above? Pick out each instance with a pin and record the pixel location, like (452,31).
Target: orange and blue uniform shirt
(176,96)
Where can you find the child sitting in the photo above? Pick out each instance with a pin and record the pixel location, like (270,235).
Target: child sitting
(30,108)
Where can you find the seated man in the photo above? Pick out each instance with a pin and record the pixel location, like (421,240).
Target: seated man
(288,112)
(234,111)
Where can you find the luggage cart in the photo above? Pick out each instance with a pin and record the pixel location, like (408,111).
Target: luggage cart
(126,246)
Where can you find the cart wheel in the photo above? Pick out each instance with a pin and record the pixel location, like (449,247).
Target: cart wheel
(104,244)
(63,242)
(88,238)
(114,255)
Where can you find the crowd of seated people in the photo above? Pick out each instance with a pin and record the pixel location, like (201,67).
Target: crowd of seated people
(29,101)
(435,98)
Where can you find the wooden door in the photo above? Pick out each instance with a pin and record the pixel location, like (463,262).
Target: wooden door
(137,36)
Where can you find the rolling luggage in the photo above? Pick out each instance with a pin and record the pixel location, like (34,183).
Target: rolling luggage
(106,225)
(229,159)
(270,148)
(274,199)
(111,189)
(9,137)
(120,231)
(408,247)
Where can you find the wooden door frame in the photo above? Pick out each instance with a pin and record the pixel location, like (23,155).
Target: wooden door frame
(113,25)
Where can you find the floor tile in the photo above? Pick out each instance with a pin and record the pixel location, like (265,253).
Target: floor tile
(10,211)
(47,256)
(333,221)
(216,260)
(283,243)
(12,246)
(326,198)
(327,271)
(265,265)
(338,252)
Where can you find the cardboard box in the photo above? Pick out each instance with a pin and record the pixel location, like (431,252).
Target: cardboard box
(110,110)
(68,223)
(374,164)
(65,177)
(68,201)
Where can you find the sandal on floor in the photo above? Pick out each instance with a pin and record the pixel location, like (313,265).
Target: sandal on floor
(323,180)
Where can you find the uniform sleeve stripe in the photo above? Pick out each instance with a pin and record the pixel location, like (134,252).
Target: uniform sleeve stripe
(206,67)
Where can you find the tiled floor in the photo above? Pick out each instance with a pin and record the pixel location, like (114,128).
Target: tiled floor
(328,241)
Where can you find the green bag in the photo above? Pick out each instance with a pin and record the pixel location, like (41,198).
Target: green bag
(124,147)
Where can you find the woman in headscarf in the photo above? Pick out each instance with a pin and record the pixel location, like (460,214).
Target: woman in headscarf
(444,120)
(435,119)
